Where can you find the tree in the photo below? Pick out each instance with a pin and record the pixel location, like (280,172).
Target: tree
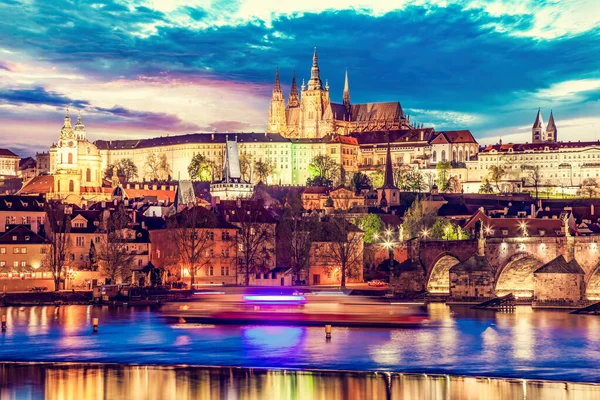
(417,219)
(414,182)
(533,177)
(255,238)
(589,188)
(200,168)
(245,165)
(319,181)
(295,233)
(377,178)
(453,185)
(126,169)
(112,254)
(344,245)
(496,173)
(371,224)
(442,168)
(263,170)
(158,167)
(324,166)
(191,233)
(444,229)
(58,228)
(360,182)
(486,187)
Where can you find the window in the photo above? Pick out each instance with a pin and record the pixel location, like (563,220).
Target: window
(23,263)
(71,186)
(211,236)
(23,250)
(222,270)
(225,235)
(15,264)
(443,155)
(16,250)
(211,271)
(70,158)
(2,263)
(2,250)
(79,241)
(88,175)
(435,156)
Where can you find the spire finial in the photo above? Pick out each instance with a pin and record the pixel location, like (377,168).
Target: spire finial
(346,95)
(277,87)
(315,80)
(67,114)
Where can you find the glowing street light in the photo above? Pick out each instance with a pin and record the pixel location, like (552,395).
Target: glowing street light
(425,233)
(488,230)
(523,227)
(388,232)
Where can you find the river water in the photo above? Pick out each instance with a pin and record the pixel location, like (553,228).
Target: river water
(526,344)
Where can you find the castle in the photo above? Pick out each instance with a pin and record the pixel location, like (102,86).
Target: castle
(313,115)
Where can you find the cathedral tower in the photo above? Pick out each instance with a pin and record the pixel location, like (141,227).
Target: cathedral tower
(277,123)
(538,132)
(294,99)
(315,100)
(551,131)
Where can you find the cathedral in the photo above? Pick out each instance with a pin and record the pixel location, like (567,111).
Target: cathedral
(313,115)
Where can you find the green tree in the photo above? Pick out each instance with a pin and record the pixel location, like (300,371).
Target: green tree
(414,182)
(486,187)
(324,166)
(360,182)
(126,169)
(444,229)
(417,219)
(263,169)
(200,168)
(377,178)
(443,169)
(371,224)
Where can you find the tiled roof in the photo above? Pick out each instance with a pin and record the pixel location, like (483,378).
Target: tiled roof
(7,153)
(324,190)
(21,203)
(552,146)
(39,185)
(396,137)
(23,235)
(462,136)
(390,110)
(189,139)
(560,266)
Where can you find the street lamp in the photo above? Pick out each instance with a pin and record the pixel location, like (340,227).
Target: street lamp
(523,227)
(425,233)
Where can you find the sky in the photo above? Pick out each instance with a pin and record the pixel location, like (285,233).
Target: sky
(151,68)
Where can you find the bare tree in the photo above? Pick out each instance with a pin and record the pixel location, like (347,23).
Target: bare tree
(153,166)
(191,233)
(255,238)
(344,245)
(112,253)
(533,176)
(496,173)
(295,237)
(58,227)
(589,187)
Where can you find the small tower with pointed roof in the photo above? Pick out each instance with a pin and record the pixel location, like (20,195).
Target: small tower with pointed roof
(277,122)
(538,133)
(388,194)
(551,131)
(79,128)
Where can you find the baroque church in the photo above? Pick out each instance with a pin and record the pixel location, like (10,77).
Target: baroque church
(311,114)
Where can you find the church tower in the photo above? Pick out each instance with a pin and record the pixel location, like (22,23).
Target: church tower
(388,194)
(551,131)
(346,96)
(294,99)
(66,176)
(538,132)
(277,123)
(315,99)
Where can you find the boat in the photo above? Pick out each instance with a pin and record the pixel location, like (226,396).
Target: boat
(309,309)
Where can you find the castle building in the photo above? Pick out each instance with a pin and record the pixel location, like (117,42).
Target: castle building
(313,115)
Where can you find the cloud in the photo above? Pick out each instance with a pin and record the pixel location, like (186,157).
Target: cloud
(38,96)
(145,120)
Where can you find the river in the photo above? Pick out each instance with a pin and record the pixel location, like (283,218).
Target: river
(526,344)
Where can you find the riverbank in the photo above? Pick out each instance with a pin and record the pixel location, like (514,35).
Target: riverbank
(88,380)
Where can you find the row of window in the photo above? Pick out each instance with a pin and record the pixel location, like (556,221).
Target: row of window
(15,263)
(210,271)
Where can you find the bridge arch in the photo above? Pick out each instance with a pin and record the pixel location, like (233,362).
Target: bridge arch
(592,284)
(516,276)
(439,277)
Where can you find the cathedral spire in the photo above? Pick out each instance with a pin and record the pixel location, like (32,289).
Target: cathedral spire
(539,122)
(277,87)
(294,100)
(315,79)
(346,96)
(538,133)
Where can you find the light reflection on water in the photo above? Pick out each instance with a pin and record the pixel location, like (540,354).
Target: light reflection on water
(88,382)
(460,341)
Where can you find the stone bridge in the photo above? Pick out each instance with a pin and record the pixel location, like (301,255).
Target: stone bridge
(512,261)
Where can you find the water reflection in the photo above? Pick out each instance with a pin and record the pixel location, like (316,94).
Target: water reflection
(87,382)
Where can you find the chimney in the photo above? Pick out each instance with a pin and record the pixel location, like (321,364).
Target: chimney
(143,224)
(421,136)
(592,209)
(533,211)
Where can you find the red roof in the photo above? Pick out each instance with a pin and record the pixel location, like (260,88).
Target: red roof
(39,185)
(462,136)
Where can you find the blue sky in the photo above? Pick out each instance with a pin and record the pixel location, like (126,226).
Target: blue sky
(148,68)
